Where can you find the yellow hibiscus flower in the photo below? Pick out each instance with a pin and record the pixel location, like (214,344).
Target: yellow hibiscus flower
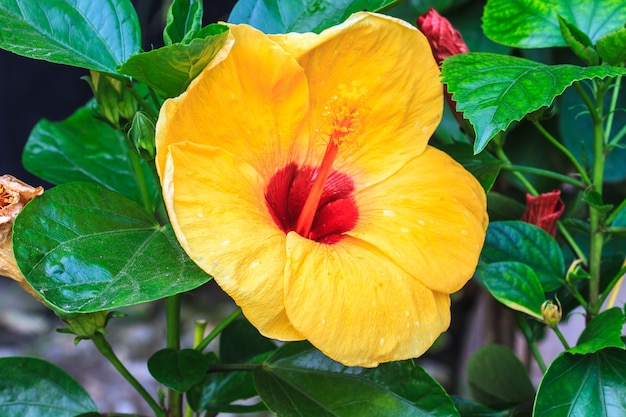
(296,171)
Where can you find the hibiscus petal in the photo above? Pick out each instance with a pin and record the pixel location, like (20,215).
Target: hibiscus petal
(357,306)
(429,217)
(252,103)
(403,102)
(218,212)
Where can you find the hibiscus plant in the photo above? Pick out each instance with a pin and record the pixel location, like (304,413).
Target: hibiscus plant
(345,172)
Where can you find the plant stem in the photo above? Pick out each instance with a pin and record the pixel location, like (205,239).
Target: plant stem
(144,104)
(106,350)
(140,177)
(561,337)
(613,286)
(500,154)
(530,340)
(172,317)
(546,173)
(572,243)
(595,215)
(616,212)
(613,105)
(205,342)
(564,150)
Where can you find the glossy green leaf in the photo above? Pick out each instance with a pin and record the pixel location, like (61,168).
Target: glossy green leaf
(184,21)
(35,387)
(483,166)
(534,23)
(298,380)
(497,378)
(218,391)
(495,90)
(178,369)
(612,47)
(584,386)
(468,408)
(578,42)
(576,128)
(170,69)
(603,331)
(84,248)
(83,33)
(515,285)
(283,16)
(517,241)
(240,342)
(83,148)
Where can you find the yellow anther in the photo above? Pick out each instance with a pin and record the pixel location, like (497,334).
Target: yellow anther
(342,112)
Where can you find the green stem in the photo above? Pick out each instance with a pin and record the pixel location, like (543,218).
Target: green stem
(588,102)
(546,173)
(572,242)
(172,318)
(140,178)
(595,215)
(616,212)
(144,104)
(106,350)
(500,154)
(564,150)
(612,284)
(561,337)
(530,340)
(205,342)
(232,367)
(612,107)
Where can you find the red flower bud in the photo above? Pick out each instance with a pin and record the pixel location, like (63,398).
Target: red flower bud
(443,38)
(544,210)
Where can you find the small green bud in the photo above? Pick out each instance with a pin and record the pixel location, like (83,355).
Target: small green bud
(551,312)
(141,134)
(85,326)
(116,104)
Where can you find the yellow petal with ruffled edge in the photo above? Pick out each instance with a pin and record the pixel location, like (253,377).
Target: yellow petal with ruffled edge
(253,104)
(429,218)
(403,100)
(357,306)
(217,208)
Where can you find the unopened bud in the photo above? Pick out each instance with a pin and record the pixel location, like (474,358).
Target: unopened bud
(141,134)
(116,104)
(551,312)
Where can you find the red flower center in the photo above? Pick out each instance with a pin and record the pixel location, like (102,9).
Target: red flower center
(335,214)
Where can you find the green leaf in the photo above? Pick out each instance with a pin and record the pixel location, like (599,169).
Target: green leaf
(178,369)
(612,47)
(534,23)
(602,332)
(35,387)
(83,148)
(515,285)
(517,241)
(170,69)
(497,378)
(578,42)
(584,385)
(468,408)
(219,390)
(483,166)
(298,380)
(241,341)
(81,33)
(283,16)
(495,90)
(184,21)
(84,248)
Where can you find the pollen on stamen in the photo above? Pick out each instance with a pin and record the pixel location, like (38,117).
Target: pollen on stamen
(343,111)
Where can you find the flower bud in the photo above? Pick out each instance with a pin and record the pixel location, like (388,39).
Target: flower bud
(141,134)
(116,104)
(544,210)
(443,38)
(551,312)
(14,194)
(85,326)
